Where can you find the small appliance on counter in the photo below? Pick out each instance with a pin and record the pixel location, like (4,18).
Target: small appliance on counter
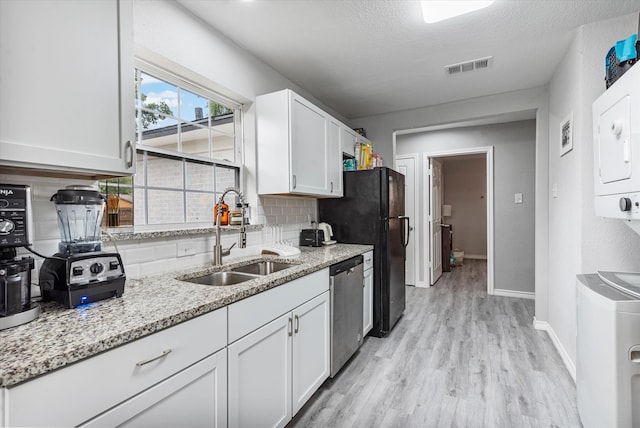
(80,272)
(328,234)
(311,237)
(16,307)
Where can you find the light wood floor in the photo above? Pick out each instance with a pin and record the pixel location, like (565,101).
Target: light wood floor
(456,358)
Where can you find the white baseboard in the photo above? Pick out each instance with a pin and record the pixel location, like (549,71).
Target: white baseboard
(543,325)
(475,256)
(511,293)
(422,284)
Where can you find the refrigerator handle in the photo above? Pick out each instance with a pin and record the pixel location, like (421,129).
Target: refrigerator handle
(406,230)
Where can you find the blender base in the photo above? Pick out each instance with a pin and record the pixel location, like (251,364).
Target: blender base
(78,279)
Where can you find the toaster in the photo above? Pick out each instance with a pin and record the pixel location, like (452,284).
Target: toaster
(311,237)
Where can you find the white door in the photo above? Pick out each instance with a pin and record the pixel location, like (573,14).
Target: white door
(260,376)
(311,345)
(407,167)
(435,219)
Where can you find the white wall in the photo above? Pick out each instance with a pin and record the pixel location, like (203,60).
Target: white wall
(580,242)
(514,162)
(465,190)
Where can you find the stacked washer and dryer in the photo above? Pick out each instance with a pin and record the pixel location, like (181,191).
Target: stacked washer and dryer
(608,303)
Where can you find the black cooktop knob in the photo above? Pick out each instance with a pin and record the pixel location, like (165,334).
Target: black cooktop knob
(96,268)
(625,204)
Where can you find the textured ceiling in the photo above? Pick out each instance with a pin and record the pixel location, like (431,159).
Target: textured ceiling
(365,57)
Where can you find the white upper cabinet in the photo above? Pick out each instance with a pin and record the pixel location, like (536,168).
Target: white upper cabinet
(349,138)
(335,152)
(298,152)
(67,86)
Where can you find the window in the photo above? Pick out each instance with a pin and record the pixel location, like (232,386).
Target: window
(187,154)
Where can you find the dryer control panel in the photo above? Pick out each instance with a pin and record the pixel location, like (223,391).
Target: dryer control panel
(616,143)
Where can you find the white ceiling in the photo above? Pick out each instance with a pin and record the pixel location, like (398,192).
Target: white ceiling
(365,57)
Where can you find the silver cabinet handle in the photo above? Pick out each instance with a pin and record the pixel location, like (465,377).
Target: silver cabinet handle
(290,327)
(332,187)
(128,146)
(294,181)
(297,324)
(164,354)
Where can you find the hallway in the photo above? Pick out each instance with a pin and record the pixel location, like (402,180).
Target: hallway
(456,358)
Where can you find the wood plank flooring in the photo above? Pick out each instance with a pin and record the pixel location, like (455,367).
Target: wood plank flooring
(457,358)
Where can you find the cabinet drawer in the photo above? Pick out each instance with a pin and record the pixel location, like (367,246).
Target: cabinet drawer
(249,314)
(368,260)
(72,395)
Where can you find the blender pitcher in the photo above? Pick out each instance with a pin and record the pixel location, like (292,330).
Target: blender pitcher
(79,210)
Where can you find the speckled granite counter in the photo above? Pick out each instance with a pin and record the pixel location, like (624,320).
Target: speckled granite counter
(63,336)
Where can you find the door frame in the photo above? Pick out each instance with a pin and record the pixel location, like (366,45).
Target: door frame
(414,221)
(488,152)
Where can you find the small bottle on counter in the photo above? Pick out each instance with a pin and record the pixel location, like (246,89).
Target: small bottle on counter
(224,217)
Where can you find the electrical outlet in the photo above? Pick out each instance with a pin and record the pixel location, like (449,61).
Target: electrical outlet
(186,249)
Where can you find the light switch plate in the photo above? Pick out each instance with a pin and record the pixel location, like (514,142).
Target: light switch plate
(554,190)
(518,198)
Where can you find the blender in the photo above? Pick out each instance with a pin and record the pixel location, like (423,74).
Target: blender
(80,272)
(16,306)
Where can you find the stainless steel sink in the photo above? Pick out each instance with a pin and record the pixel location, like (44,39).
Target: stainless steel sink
(221,278)
(263,267)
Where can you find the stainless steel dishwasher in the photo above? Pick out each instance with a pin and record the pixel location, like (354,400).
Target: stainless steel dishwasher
(346,285)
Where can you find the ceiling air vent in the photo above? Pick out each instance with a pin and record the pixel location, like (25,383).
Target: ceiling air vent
(463,67)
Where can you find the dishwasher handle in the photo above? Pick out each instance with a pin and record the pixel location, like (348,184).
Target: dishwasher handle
(346,265)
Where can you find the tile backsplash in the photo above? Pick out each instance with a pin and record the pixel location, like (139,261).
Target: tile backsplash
(143,257)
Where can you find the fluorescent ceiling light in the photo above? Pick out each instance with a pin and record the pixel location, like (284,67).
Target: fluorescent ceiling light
(439,10)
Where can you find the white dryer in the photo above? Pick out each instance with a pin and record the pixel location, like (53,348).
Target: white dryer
(608,350)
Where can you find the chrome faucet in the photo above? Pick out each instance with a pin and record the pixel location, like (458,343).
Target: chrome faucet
(218,251)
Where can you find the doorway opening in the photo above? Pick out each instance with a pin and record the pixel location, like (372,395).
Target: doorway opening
(469,208)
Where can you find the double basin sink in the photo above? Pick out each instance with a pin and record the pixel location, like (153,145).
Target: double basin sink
(241,274)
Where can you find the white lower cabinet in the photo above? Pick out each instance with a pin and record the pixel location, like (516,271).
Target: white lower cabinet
(195,397)
(171,372)
(260,377)
(367,290)
(276,368)
(311,342)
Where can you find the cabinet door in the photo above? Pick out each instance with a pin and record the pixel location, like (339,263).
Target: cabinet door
(197,396)
(347,140)
(334,158)
(260,376)
(367,300)
(309,148)
(67,85)
(311,344)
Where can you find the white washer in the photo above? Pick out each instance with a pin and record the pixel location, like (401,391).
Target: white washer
(608,350)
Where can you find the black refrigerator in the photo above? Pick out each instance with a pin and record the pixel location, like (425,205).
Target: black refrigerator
(372,212)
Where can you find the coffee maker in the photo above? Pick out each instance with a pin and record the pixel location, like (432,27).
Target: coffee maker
(16,306)
(80,272)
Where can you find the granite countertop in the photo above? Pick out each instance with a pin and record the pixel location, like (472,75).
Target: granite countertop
(63,336)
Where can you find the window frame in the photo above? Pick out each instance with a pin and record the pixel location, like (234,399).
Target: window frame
(198,88)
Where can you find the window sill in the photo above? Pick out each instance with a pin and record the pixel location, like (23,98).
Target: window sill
(132,236)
